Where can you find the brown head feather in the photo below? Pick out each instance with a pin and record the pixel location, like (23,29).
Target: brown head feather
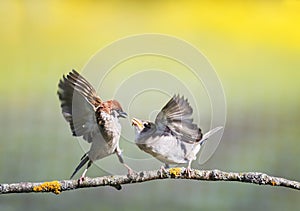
(109,105)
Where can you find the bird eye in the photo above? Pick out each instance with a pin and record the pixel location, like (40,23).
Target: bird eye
(147,125)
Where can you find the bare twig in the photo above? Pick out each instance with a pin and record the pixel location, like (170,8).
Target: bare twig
(173,173)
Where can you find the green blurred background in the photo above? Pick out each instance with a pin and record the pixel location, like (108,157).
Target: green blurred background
(254,47)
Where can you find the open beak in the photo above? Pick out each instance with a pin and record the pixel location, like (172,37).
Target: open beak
(122,114)
(137,123)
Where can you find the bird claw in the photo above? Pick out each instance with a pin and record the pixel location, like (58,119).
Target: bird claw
(81,180)
(188,171)
(131,172)
(162,171)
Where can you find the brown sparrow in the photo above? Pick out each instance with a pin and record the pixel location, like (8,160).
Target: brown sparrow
(173,138)
(96,121)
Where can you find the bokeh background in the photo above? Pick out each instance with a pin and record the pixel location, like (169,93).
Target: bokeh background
(254,47)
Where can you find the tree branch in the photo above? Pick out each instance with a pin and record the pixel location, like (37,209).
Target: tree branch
(139,177)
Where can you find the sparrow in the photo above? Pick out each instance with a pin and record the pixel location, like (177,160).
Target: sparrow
(96,121)
(173,138)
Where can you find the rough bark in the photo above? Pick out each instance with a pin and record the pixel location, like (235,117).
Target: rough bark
(144,176)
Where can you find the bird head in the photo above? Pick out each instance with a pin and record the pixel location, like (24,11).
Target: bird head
(142,126)
(113,108)
(143,130)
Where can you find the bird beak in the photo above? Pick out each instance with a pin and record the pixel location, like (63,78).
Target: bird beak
(137,123)
(122,114)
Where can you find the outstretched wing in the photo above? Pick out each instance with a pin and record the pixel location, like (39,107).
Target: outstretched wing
(175,117)
(79,102)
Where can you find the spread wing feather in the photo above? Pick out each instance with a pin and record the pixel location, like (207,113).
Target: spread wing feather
(175,117)
(79,102)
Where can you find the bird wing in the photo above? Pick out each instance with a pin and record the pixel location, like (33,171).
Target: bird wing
(79,102)
(175,118)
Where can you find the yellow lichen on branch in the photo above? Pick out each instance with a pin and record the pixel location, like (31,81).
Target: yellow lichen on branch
(53,186)
(175,172)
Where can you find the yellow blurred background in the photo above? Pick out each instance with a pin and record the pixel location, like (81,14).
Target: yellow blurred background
(253,45)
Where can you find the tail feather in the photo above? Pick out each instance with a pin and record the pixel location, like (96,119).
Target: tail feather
(83,161)
(209,134)
(83,156)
